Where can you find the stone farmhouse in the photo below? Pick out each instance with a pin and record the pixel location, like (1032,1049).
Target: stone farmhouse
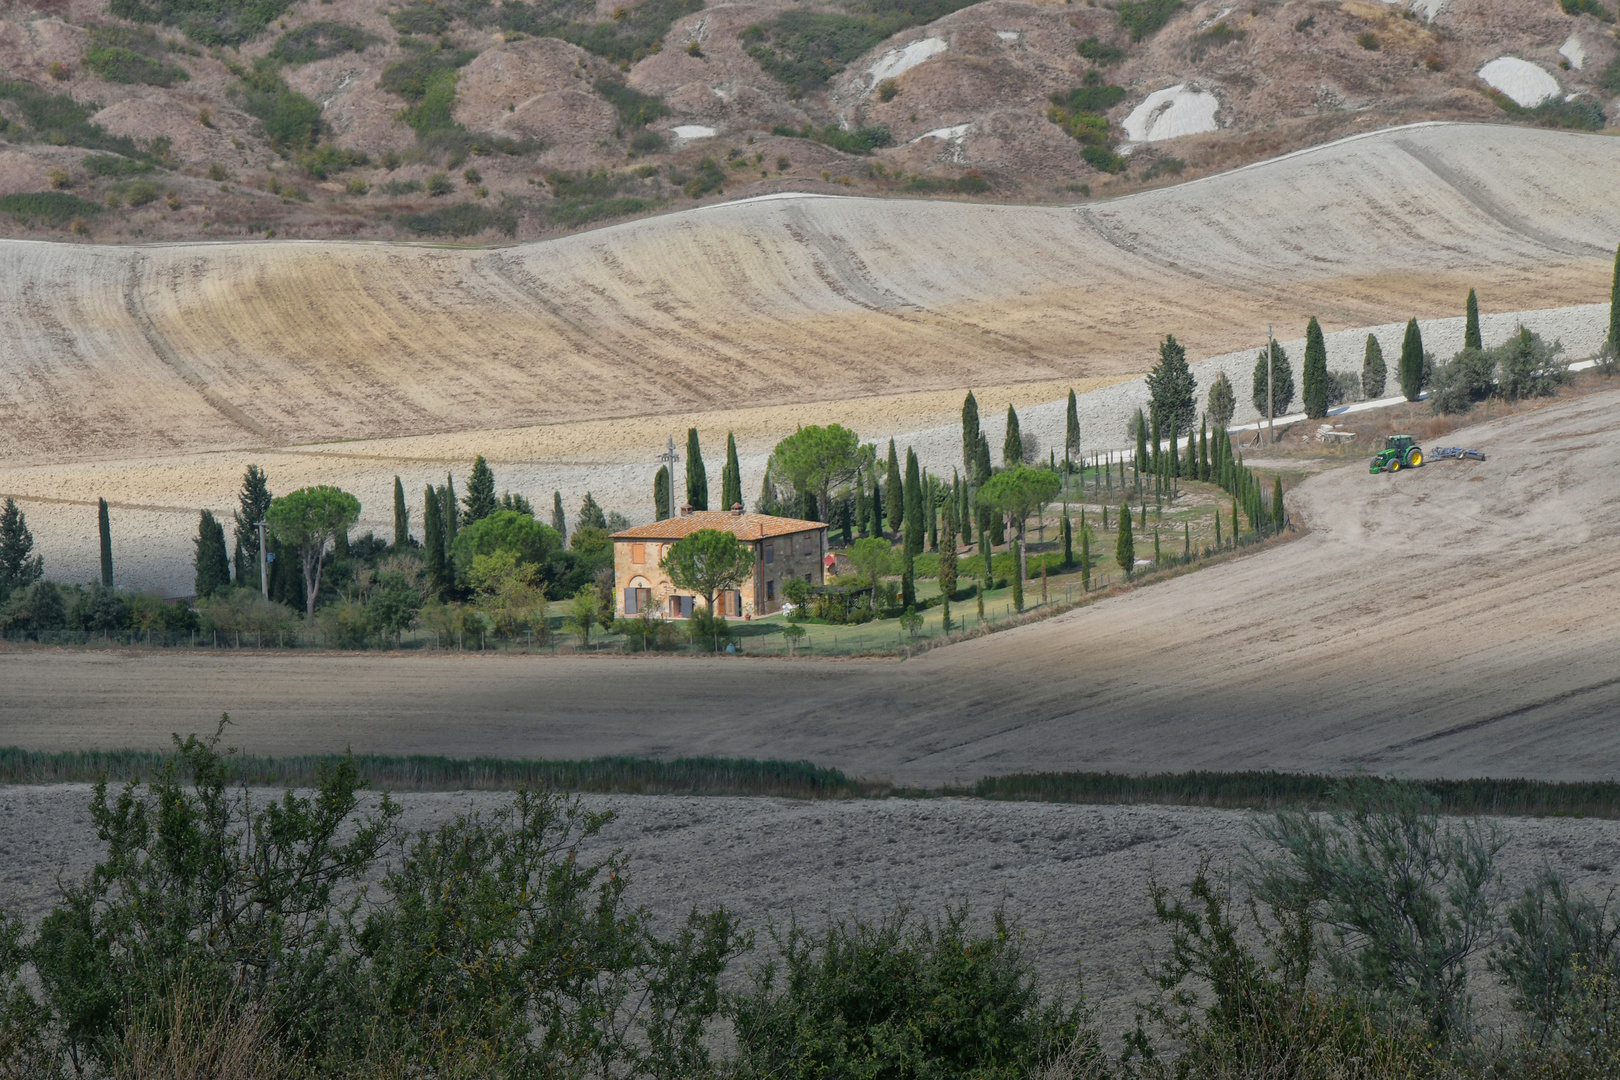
(783,548)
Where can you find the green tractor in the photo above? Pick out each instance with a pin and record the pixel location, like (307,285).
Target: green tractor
(1399,452)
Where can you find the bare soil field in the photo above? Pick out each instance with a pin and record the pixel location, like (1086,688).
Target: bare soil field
(153,375)
(1453,621)
(1073,878)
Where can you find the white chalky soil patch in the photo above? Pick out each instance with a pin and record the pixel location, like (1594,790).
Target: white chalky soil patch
(1524,82)
(1573,51)
(949,134)
(693,131)
(897,61)
(1171,113)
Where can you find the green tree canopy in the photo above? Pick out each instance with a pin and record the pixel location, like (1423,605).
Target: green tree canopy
(1315,373)
(211,562)
(1125,543)
(1172,389)
(252,503)
(1282,375)
(1012,446)
(731,477)
(697,477)
(1222,401)
(480,498)
(532,542)
(970,413)
(872,558)
(1471,338)
(1411,367)
(1373,371)
(818,459)
(309,519)
(1018,492)
(708,561)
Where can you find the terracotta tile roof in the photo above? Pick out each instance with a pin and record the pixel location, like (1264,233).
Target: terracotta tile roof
(746,527)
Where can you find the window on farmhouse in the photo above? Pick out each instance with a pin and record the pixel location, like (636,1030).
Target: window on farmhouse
(770,554)
(638,554)
(770,590)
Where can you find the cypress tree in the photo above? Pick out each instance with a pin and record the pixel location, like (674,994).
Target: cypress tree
(1141,450)
(661,494)
(1155,454)
(876,503)
(558,521)
(1373,371)
(1277,514)
(1186,540)
(1071,434)
(590,515)
(105,528)
(433,539)
(1614,308)
(1018,576)
(480,498)
(697,478)
(1203,450)
(989,559)
(914,505)
(970,431)
(1125,546)
(895,503)
(1068,542)
(1471,338)
(1315,375)
(862,510)
(1085,553)
(402,516)
(449,510)
(1174,466)
(1012,447)
(965,513)
(1105,517)
(19,566)
(998,528)
(211,562)
(252,503)
(931,508)
(908,582)
(1218,542)
(1156,555)
(731,479)
(1412,362)
(947,552)
(237,559)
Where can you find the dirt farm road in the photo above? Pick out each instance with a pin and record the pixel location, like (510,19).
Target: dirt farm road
(1459,620)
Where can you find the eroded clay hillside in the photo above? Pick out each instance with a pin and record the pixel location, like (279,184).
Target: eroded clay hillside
(476,119)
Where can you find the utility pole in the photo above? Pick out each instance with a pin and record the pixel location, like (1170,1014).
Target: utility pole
(1271,407)
(264,563)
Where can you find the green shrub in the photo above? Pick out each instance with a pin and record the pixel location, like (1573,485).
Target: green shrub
(462,219)
(1099,53)
(860,141)
(402,187)
(47,207)
(328,160)
(1081,112)
(804,49)
(971,182)
(439,184)
(1141,18)
(1103,159)
(109,165)
(59,119)
(646,142)
(1216,37)
(130,56)
(1587,7)
(140,192)
(635,109)
(427,19)
(708,177)
(634,33)
(319,40)
(291,121)
(1164,165)
(1609,78)
(211,22)
(901,999)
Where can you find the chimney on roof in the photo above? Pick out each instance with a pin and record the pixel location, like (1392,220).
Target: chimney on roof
(736,509)
(686,509)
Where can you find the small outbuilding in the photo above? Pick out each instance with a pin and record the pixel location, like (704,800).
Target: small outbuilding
(783,548)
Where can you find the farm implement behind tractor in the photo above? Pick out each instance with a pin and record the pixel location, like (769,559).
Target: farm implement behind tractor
(1460,453)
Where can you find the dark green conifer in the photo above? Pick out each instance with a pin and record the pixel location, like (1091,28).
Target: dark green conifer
(697,478)
(1373,372)
(211,562)
(1068,542)
(1085,552)
(913,505)
(661,494)
(895,492)
(252,503)
(863,512)
(402,516)
(908,581)
(480,498)
(1278,516)
(104,526)
(1315,375)
(1125,545)
(970,433)
(731,478)
(1018,575)
(1412,362)
(451,512)
(433,561)
(1012,447)
(1471,338)
(1071,434)
(558,521)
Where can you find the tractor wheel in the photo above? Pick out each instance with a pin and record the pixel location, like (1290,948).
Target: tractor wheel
(1414,458)
(1394,464)
(1376,467)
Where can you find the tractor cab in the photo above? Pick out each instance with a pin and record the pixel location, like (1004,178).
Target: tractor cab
(1399,452)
